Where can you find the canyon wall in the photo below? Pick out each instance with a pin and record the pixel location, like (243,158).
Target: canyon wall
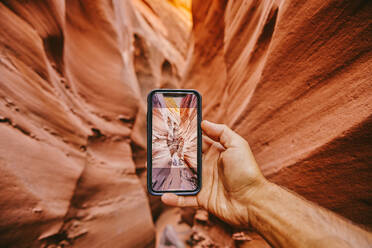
(292,77)
(74,76)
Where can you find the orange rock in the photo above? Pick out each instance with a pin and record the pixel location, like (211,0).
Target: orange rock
(294,79)
(72,107)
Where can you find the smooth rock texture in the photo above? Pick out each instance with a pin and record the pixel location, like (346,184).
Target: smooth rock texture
(72,117)
(292,77)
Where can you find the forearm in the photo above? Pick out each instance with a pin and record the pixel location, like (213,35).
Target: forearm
(287,220)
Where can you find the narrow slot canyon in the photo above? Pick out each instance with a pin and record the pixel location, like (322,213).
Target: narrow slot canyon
(294,78)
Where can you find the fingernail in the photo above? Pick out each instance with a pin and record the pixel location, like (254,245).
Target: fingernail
(167,197)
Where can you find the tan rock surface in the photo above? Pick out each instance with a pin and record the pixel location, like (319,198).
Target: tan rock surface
(72,118)
(293,77)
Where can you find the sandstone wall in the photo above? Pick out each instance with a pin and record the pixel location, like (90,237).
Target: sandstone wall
(73,81)
(294,79)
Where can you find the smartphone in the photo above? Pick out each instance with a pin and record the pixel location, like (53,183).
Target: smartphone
(174,142)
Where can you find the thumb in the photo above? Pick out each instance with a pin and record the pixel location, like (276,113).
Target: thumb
(179,201)
(223,134)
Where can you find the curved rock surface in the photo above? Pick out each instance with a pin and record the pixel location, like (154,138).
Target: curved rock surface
(293,77)
(74,76)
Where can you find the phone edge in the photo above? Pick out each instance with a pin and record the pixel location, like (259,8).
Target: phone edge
(149,142)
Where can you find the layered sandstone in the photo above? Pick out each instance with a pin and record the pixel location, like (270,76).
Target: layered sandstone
(73,80)
(292,77)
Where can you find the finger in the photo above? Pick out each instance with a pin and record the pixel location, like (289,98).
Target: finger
(179,201)
(210,159)
(208,142)
(222,133)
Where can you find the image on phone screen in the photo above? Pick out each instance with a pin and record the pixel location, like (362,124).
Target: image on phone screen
(174,141)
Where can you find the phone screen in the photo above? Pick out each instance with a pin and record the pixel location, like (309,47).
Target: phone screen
(174,142)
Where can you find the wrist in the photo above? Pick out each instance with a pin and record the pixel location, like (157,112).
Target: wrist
(244,197)
(256,191)
(257,197)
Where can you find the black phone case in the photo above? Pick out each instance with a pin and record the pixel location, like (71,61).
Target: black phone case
(149,142)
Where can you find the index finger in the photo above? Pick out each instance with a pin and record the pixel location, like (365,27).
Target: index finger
(208,142)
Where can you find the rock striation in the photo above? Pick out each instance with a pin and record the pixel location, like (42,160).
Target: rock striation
(292,77)
(73,81)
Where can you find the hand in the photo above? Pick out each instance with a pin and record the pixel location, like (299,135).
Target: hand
(230,176)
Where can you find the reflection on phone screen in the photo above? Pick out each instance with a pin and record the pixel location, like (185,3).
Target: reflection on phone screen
(174,142)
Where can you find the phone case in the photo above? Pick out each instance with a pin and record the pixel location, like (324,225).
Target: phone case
(149,142)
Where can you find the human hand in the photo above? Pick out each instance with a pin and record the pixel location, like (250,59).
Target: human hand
(230,176)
